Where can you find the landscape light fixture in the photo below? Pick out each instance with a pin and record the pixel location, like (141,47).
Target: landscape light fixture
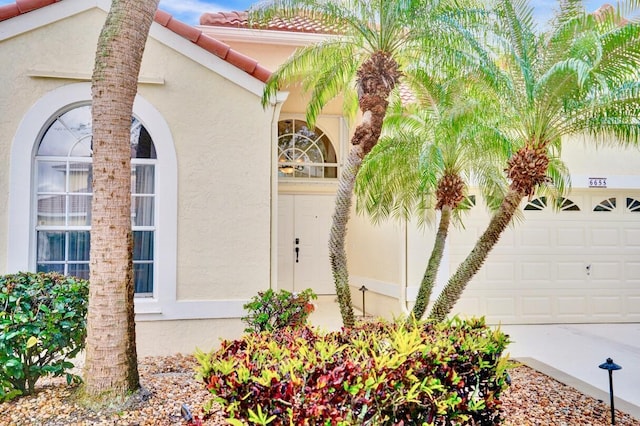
(186,413)
(363,289)
(611,366)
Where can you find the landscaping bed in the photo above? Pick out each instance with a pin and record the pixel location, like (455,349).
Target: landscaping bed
(532,399)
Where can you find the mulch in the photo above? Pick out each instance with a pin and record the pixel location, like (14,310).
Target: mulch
(168,382)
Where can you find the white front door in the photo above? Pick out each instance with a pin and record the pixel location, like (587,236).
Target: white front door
(304,222)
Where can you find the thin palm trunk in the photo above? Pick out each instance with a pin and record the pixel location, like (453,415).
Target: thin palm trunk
(338,233)
(377,77)
(429,278)
(470,266)
(111,371)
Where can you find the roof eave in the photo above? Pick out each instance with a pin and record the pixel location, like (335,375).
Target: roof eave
(257,36)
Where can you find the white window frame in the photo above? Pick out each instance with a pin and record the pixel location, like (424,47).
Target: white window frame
(316,145)
(22,200)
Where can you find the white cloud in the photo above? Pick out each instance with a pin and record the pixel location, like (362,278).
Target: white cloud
(189,11)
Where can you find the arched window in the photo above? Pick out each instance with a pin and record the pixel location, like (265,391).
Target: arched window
(63,190)
(304,152)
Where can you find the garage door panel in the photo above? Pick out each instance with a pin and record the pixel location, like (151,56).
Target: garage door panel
(571,238)
(632,271)
(570,271)
(606,305)
(605,237)
(536,305)
(632,238)
(469,305)
(501,306)
(500,271)
(568,266)
(606,271)
(535,237)
(571,306)
(534,271)
(633,306)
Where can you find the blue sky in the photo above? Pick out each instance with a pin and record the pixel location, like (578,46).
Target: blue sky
(189,11)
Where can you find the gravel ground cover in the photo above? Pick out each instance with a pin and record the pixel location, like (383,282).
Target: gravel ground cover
(532,399)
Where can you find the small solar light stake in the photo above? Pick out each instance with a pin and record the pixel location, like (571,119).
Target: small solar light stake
(611,366)
(186,413)
(363,289)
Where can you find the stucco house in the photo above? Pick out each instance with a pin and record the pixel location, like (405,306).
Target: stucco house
(230,198)
(576,265)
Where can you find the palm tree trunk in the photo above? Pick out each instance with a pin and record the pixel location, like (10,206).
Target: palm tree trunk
(429,278)
(337,253)
(111,371)
(470,266)
(377,77)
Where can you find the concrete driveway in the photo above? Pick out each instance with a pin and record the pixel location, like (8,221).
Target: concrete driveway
(571,353)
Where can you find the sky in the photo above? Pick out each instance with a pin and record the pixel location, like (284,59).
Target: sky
(189,11)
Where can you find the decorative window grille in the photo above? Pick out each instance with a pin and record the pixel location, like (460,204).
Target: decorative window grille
(304,153)
(633,205)
(607,205)
(537,204)
(468,202)
(566,205)
(64,192)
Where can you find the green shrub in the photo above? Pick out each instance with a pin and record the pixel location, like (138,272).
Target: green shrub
(270,311)
(375,374)
(42,324)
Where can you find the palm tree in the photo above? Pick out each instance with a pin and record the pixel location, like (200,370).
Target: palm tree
(111,371)
(430,153)
(580,76)
(363,63)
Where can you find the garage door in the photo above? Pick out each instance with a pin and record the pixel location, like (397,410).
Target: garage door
(577,265)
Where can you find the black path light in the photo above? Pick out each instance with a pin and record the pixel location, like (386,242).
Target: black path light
(611,366)
(363,289)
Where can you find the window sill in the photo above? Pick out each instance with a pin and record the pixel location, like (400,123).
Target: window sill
(147,305)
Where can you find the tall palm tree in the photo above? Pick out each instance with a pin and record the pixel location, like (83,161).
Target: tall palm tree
(579,77)
(430,153)
(363,63)
(111,371)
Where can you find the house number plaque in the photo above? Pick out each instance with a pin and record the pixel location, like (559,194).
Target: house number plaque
(597,182)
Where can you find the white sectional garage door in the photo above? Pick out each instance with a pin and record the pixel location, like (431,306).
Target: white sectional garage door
(577,265)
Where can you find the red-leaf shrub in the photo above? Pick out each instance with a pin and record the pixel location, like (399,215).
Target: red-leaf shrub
(375,374)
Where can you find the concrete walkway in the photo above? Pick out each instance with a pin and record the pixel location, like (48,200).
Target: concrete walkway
(570,353)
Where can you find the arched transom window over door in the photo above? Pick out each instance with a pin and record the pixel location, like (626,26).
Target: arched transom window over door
(303,152)
(64,191)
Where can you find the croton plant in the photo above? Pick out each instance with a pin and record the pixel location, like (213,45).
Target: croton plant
(377,373)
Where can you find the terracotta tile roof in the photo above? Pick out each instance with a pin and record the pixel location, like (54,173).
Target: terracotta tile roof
(210,44)
(407,95)
(298,24)
(606,9)
(22,6)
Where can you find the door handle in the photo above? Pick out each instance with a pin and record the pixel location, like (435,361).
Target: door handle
(297,252)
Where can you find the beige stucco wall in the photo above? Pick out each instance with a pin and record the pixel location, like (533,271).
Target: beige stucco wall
(222,141)
(584,157)
(184,336)
(376,259)
(63,47)
(222,138)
